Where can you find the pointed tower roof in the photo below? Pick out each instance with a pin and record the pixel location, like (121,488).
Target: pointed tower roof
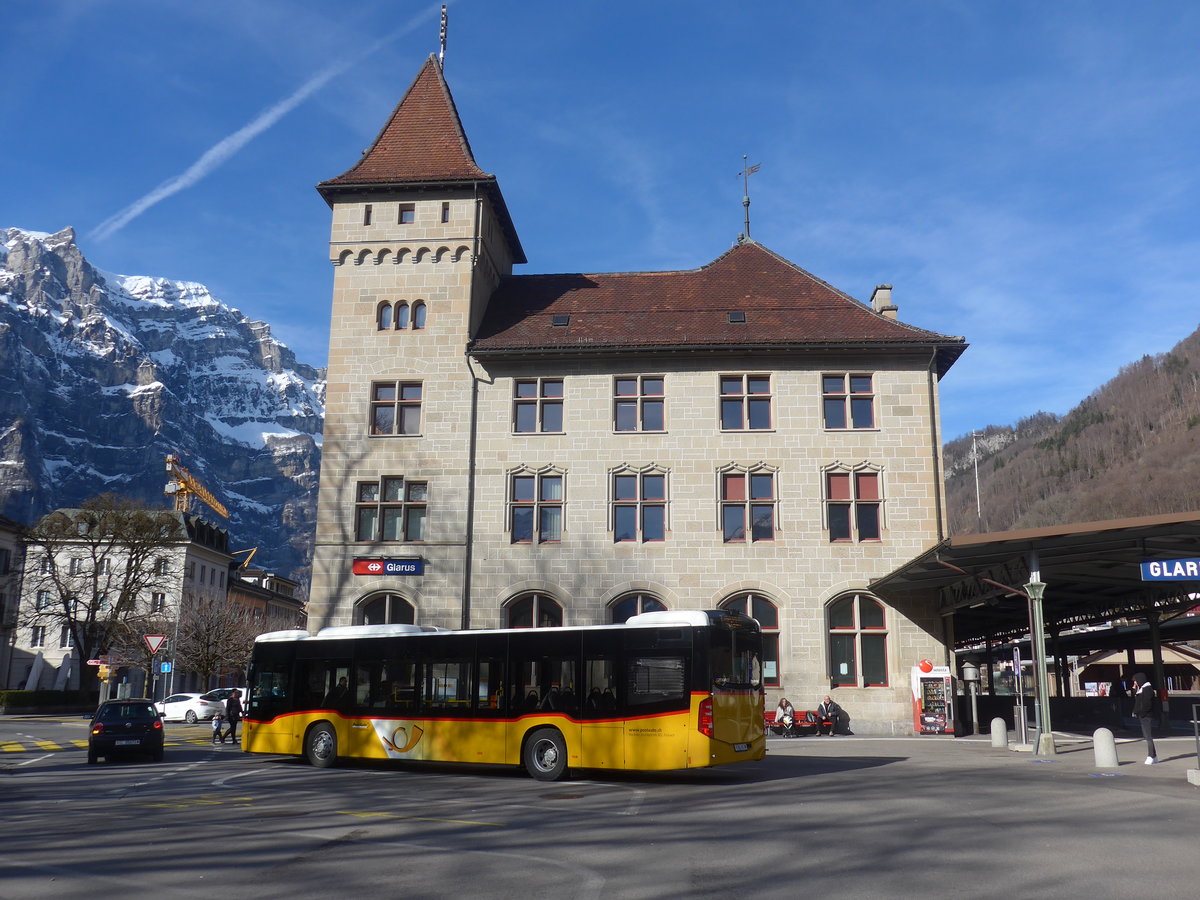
(423,145)
(748,299)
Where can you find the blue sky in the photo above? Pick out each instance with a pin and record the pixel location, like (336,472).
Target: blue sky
(1024,173)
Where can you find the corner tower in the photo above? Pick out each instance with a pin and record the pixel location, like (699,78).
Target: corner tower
(421,237)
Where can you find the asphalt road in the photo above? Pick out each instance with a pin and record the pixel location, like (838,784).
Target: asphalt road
(846,817)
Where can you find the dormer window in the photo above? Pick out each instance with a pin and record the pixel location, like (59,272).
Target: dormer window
(737,318)
(560,321)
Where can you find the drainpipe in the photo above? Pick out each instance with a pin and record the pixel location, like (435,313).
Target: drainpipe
(473,433)
(934,446)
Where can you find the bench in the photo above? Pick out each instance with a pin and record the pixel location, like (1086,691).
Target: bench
(806,723)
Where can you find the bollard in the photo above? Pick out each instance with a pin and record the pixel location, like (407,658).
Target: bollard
(999,734)
(1105,747)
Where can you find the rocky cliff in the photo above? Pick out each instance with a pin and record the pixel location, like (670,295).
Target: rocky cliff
(102,376)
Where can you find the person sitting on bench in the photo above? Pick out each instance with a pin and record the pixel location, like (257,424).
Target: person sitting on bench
(785,717)
(831,718)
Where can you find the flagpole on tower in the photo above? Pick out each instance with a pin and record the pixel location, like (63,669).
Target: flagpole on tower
(442,38)
(747,171)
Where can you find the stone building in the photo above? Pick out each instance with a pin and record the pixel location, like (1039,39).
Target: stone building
(514,450)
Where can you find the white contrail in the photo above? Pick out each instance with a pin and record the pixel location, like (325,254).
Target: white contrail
(230,145)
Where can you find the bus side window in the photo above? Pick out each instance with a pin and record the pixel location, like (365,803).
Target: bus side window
(657,681)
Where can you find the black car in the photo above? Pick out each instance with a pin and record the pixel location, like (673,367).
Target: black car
(126,726)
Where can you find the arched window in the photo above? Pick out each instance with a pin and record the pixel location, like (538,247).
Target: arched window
(535,610)
(401,316)
(858,642)
(418,315)
(629,605)
(385,316)
(759,607)
(385,609)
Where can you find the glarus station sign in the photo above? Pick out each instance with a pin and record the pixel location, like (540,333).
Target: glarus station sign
(412,566)
(1171,570)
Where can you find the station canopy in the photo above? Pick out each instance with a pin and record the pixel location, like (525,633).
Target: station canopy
(1093,577)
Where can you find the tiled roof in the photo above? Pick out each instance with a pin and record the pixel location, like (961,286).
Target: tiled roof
(784,307)
(423,144)
(423,141)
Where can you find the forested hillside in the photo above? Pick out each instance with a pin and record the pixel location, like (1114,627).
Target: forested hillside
(1132,448)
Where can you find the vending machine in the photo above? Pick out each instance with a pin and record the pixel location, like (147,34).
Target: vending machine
(933,698)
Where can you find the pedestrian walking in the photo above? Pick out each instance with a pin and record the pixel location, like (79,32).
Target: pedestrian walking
(1143,711)
(218,720)
(233,713)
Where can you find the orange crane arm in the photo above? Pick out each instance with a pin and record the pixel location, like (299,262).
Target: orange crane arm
(183,486)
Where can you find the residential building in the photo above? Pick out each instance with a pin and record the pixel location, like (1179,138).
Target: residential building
(509,450)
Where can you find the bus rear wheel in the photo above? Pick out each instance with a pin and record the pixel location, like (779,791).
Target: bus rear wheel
(320,746)
(546,755)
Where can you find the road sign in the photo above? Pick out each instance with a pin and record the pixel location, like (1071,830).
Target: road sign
(165,667)
(98,661)
(155,641)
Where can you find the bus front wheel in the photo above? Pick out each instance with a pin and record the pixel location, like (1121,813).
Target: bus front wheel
(321,746)
(546,755)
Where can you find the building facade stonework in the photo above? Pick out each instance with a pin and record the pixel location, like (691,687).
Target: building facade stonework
(571,449)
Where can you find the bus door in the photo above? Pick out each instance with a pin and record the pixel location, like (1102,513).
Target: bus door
(657,697)
(545,687)
(603,732)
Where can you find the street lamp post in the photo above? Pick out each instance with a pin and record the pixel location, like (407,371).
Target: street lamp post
(970,674)
(1045,738)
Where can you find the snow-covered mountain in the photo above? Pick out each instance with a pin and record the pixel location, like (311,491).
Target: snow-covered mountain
(103,375)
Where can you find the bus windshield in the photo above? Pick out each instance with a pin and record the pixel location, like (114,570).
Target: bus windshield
(736,658)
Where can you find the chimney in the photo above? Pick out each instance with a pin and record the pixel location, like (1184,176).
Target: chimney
(881,301)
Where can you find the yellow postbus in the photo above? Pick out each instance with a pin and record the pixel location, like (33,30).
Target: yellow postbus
(665,690)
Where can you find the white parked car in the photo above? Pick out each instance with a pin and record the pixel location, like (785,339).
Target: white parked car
(188,708)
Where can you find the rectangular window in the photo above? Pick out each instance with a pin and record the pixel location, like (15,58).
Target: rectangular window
(42,601)
(445,212)
(105,566)
(638,403)
(448,685)
(44,566)
(639,507)
(396,407)
(848,401)
(538,405)
(745,402)
(158,602)
(163,566)
(37,636)
(408,214)
(536,509)
(391,509)
(367,214)
(5,560)
(853,502)
(748,499)
(65,639)
(76,565)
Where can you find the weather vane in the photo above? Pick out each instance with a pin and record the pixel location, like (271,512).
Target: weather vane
(442,38)
(747,171)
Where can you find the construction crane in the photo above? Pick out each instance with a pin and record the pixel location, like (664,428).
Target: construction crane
(183,487)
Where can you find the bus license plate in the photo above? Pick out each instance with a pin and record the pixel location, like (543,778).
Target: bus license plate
(128,743)
(740,748)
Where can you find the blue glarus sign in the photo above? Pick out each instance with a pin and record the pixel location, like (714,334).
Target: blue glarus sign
(414,566)
(1171,570)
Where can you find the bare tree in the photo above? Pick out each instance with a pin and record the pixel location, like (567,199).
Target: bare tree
(215,635)
(102,571)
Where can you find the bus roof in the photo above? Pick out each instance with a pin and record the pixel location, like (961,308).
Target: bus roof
(689,618)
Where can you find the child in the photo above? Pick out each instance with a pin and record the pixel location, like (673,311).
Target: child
(216,722)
